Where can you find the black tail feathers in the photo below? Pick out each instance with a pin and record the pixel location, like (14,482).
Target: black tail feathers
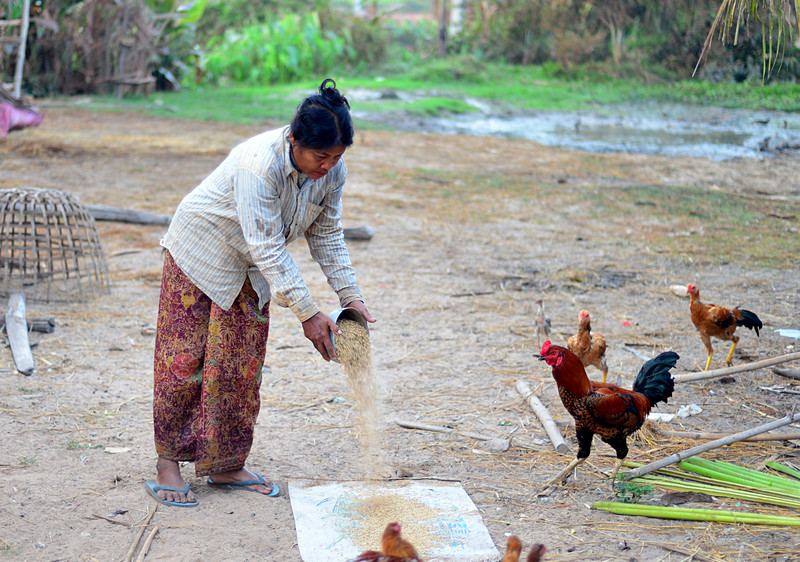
(654,379)
(749,320)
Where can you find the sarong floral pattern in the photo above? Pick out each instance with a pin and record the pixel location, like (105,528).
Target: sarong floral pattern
(207,374)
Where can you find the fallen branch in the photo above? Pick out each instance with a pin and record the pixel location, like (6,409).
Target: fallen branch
(544,417)
(147,543)
(439,429)
(716,373)
(132,549)
(677,457)
(707,435)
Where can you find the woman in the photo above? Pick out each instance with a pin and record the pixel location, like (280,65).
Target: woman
(225,259)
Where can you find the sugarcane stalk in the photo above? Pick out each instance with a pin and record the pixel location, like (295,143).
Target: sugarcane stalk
(783,468)
(721,470)
(753,494)
(684,513)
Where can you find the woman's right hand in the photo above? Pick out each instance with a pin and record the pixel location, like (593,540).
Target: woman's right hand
(318,329)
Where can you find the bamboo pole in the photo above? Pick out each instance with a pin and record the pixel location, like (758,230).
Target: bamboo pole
(682,455)
(716,373)
(544,417)
(23,40)
(707,435)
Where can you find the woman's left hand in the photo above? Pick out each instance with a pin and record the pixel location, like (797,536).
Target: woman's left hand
(362,308)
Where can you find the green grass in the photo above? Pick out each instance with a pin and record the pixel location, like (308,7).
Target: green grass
(524,88)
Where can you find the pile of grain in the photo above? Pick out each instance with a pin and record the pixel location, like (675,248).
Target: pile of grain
(366,518)
(355,355)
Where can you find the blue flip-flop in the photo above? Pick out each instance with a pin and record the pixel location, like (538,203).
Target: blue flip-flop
(243,485)
(154,488)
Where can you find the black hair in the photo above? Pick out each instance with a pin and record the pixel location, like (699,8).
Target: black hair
(323,120)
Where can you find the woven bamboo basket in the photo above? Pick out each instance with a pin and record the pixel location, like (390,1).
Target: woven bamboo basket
(49,247)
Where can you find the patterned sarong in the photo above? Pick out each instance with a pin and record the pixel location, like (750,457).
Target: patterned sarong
(207,374)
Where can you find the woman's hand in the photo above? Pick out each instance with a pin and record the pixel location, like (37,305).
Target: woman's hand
(318,329)
(362,308)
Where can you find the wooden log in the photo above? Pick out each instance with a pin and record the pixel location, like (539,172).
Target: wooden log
(541,412)
(108,213)
(716,373)
(787,372)
(682,455)
(117,214)
(17,330)
(45,325)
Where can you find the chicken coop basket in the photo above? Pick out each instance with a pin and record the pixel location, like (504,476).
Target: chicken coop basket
(49,247)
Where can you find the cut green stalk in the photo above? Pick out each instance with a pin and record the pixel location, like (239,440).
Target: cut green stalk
(728,472)
(783,468)
(752,495)
(696,514)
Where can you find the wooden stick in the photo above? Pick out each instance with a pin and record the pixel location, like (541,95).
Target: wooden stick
(677,457)
(470,434)
(132,549)
(544,417)
(439,429)
(688,377)
(147,543)
(706,435)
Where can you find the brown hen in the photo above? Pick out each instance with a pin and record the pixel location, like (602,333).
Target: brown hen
(513,549)
(394,548)
(714,321)
(590,348)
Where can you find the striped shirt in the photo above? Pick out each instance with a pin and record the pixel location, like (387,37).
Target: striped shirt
(239,220)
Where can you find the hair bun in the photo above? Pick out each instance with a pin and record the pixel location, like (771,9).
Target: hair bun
(331,93)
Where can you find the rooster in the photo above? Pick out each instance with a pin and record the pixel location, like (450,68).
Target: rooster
(607,410)
(394,548)
(714,321)
(514,548)
(590,348)
(542,322)
(536,552)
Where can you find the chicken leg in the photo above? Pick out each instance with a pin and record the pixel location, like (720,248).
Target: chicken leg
(735,340)
(707,343)
(562,476)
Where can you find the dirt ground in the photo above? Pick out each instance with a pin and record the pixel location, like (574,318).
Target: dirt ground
(451,273)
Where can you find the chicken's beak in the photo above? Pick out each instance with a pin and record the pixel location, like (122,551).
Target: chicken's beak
(539,357)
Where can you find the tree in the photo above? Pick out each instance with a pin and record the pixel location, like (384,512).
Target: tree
(776,26)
